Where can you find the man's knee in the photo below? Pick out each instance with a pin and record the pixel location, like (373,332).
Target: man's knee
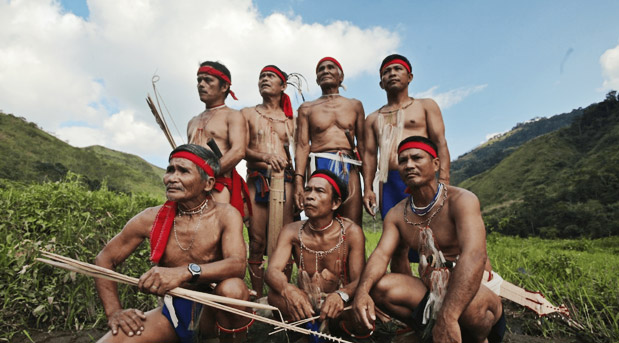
(233,288)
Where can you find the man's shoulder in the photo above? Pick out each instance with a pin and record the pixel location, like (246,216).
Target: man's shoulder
(351,227)
(458,197)
(145,219)
(427,103)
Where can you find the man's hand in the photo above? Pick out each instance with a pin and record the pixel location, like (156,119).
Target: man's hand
(277,163)
(298,193)
(446,330)
(159,280)
(369,201)
(298,303)
(363,305)
(130,321)
(332,307)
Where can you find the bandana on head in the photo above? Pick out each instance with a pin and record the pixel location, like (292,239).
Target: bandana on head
(332,60)
(195,159)
(330,180)
(212,71)
(285,100)
(396,61)
(418,145)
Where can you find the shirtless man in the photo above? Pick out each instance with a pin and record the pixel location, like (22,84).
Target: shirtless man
(418,117)
(226,126)
(271,127)
(444,224)
(207,247)
(324,122)
(330,253)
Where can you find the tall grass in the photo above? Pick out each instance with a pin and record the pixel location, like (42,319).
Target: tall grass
(67,218)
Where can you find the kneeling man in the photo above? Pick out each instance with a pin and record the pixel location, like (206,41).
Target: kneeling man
(444,224)
(330,253)
(194,241)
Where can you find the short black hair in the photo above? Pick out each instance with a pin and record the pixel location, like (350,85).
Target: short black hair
(419,139)
(200,151)
(395,57)
(222,68)
(281,71)
(340,184)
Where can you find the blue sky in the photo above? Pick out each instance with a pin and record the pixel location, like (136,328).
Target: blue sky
(489,64)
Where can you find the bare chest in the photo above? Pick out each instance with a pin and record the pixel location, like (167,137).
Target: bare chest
(324,117)
(193,241)
(206,126)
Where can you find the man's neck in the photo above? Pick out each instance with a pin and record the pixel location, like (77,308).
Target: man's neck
(330,90)
(398,99)
(271,102)
(319,225)
(211,105)
(423,195)
(192,204)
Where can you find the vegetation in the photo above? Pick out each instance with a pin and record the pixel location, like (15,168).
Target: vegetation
(70,219)
(31,154)
(563,184)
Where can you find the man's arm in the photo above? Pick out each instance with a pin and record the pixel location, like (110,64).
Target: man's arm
(114,253)
(363,305)
(297,301)
(360,128)
(370,151)
(465,278)
(301,152)
(333,304)
(237,138)
(436,133)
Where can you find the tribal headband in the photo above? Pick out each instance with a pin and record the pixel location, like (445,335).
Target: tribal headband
(332,60)
(195,159)
(330,180)
(285,101)
(219,74)
(418,145)
(396,61)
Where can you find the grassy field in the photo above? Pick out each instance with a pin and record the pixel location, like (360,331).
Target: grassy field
(67,218)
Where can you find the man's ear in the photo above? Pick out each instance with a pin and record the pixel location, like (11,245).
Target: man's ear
(437,164)
(335,204)
(410,77)
(380,83)
(210,183)
(225,86)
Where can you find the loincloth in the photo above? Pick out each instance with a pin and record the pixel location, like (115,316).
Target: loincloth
(184,315)
(340,163)
(239,193)
(262,182)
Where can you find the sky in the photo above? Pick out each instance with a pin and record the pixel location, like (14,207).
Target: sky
(81,69)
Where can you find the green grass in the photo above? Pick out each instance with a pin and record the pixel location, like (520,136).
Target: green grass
(69,219)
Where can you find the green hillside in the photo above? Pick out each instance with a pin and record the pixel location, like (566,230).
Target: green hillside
(562,184)
(496,149)
(31,154)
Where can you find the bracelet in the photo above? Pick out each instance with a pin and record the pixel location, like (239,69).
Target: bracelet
(301,175)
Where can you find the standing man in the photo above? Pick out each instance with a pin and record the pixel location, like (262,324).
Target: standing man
(330,253)
(207,247)
(227,127)
(402,116)
(271,128)
(324,122)
(444,224)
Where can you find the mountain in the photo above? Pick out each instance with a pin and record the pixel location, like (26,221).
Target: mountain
(562,184)
(499,147)
(31,154)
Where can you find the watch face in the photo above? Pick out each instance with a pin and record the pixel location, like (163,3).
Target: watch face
(195,268)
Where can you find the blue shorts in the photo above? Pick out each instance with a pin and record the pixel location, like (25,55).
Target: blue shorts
(341,169)
(261,182)
(186,312)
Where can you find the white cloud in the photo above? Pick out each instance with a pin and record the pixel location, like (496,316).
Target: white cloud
(57,69)
(610,68)
(451,97)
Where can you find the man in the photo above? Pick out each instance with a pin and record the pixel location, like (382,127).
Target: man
(207,247)
(402,116)
(324,122)
(330,253)
(444,224)
(271,127)
(227,127)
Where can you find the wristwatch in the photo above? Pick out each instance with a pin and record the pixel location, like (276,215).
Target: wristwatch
(345,297)
(195,271)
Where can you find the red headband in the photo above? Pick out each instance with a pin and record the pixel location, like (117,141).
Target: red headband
(330,180)
(219,74)
(195,159)
(332,60)
(418,145)
(285,101)
(398,61)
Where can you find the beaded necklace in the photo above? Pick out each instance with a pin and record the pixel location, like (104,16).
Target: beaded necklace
(272,120)
(324,228)
(199,211)
(319,253)
(423,223)
(422,211)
